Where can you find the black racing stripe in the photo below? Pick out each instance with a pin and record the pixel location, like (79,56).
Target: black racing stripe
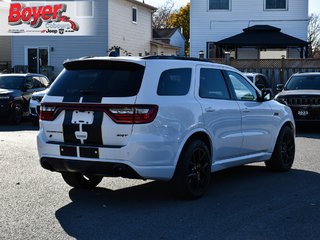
(68,151)
(92,99)
(94,130)
(89,152)
(69,128)
(71,99)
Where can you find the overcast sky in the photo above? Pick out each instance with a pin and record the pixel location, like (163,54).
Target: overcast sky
(314,5)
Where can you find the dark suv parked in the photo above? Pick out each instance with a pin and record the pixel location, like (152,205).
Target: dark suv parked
(302,95)
(15,94)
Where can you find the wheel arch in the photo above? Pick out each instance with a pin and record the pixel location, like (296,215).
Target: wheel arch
(285,124)
(201,134)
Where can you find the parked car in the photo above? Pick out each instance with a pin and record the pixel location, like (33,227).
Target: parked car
(34,106)
(302,94)
(260,80)
(161,118)
(15,94)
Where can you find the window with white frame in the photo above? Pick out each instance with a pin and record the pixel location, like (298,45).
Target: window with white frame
(219,4)
(134,15)
(275,4)
(84,8)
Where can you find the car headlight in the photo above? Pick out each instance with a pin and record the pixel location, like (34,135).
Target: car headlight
(4,97)
(36,98)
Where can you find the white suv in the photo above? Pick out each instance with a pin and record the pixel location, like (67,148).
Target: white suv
(161,118)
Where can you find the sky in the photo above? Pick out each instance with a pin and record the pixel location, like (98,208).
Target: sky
(314,5)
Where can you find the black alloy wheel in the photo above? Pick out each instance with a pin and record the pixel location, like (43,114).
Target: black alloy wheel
(284,152)
(193,173)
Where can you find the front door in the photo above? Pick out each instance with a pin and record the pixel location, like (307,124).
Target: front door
(37,58)
(222,116)
(257,117)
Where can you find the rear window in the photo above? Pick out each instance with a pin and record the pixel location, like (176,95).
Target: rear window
(175,82)
(103,78)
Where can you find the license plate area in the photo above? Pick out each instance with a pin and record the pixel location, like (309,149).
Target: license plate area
(303,113)
(82,117)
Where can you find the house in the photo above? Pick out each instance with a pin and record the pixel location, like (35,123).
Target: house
(249,29)
(123,26)
(168,41)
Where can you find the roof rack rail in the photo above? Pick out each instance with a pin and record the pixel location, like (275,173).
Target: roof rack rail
(176,58)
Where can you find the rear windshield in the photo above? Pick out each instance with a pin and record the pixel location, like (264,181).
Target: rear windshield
(311,82)
(104,78)
(11,82)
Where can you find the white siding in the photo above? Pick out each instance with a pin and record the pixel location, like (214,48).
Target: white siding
(211,26)
(67,47)
(132,37)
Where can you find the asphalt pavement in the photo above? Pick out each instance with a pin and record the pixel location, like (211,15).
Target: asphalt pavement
(245,202)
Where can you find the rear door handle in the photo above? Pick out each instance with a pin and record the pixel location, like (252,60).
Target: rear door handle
(246,110)
(209,109)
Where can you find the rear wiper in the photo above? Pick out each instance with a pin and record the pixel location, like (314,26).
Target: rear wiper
(94,92)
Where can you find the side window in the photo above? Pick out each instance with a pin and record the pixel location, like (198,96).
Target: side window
(36,82)
(45,82)
(212,84)
(261,82)
(29,83)
(175,82)
(134,15)
(243,89)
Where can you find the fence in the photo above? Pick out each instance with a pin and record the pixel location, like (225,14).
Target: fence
(5,67)
(276,70)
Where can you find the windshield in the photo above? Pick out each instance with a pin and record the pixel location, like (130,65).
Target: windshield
(11,82)
(311,82)
(107,79)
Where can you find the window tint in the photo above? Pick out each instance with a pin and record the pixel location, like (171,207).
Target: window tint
(103,78)
(175,82)
(276,4)
(36,82)
(219,4)
(212,84)
(243,89)
(261,82)
(309,82)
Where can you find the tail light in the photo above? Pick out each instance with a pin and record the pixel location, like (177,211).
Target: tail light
(134,114)
(122,114)
(47,112)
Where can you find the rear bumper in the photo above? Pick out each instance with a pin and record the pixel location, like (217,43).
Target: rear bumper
(89,167)
(125,161)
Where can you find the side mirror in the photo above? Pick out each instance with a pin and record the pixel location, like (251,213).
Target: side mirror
(266,95)
(280,87)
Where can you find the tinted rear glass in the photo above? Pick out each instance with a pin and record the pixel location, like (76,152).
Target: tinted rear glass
(311,82)
(175,82)
(104,78)
(11,82)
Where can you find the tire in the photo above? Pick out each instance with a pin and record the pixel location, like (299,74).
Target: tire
(283,154)
(16,114)
(193,173)
(78,180)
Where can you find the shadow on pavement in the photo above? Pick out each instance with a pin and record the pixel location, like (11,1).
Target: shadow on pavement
(308,130)
(26,125)
(246,202)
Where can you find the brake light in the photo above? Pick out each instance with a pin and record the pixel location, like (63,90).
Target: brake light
(133,115)
(47,112)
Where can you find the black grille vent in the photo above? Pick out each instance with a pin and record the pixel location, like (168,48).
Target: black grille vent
(303,101)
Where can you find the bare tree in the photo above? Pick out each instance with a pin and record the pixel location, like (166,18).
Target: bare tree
(161,16)
(314,34)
